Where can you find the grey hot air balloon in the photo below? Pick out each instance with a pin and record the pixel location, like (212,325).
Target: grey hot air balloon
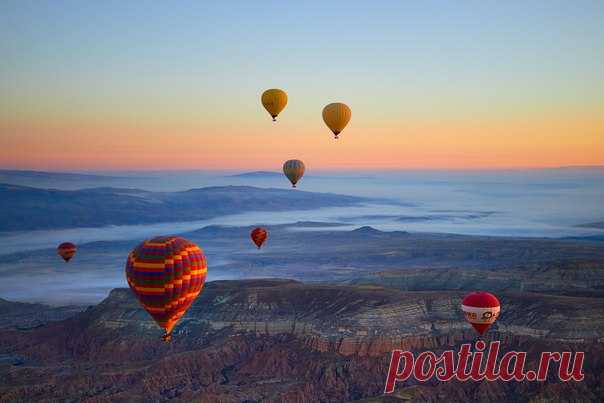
(293,169)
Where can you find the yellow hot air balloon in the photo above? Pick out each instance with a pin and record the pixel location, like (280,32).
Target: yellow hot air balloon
(294,170)
(336,117)
(274,101)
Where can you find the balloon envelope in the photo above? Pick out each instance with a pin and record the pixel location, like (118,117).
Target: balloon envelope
(66,250)
(481,309)
(166,274)
(274,101)
(336,116)
(258,236)
(294,170)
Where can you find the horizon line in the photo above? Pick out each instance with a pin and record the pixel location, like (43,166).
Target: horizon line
(251,170)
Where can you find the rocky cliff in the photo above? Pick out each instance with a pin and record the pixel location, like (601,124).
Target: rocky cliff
(284,341)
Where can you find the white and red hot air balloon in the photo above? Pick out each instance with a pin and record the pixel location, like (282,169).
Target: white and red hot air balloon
(481,310)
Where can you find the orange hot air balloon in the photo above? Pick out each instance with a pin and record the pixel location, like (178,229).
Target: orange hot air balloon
(66,250)
(258,236)
(481,310)
(336,116)
(294,170)
(166,274)
(274,101)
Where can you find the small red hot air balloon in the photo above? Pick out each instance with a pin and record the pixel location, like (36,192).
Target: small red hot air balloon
(166,274)
(481,310)
(66,250)
(259,235)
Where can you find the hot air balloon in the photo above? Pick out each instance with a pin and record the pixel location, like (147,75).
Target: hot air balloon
(481,310)
(166,274)
(258,236)
(294,170)
(274,101)
(66,250)
(336,117)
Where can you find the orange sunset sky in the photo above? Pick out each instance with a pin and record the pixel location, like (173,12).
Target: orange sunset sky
(164,86)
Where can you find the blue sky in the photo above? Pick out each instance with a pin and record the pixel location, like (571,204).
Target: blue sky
(112,61)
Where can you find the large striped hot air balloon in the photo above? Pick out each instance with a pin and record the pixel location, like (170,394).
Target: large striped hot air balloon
(274,101)
(166,274)
(336,116)
(258,236)
(66,250)
(481,310)
(294,170)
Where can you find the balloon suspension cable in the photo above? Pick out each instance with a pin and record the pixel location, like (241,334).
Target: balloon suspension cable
(167,337)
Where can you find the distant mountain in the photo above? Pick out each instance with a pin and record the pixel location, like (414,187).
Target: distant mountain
(587,167)
(62,180)
(234,231)
(367,230)
(17,176)
(599,225)
(26,208)
(313,224)
(597,238)
(258,174)
(283,341)
(275,174)
(22,315)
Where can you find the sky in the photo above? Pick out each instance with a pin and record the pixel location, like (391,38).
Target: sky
(116,85)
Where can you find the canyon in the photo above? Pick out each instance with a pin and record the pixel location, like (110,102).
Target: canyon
(272,340)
